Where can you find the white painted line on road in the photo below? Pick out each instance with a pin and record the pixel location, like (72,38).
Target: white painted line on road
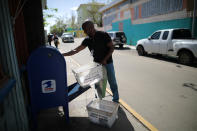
(129,109)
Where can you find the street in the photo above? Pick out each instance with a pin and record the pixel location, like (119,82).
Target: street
(162,91)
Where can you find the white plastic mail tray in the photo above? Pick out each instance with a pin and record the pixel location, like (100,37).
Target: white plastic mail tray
(89,74)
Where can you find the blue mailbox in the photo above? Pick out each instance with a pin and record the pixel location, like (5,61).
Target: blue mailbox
(48,81)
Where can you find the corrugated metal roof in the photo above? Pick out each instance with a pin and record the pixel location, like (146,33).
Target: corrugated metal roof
(113,3)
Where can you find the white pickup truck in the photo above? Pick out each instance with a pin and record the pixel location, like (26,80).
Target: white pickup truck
(171,42)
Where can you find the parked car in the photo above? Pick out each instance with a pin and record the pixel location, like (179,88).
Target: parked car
(170,42)
(118,38)
(66,33)
(67,37)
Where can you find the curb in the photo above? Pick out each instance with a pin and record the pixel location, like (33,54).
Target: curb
(130,46)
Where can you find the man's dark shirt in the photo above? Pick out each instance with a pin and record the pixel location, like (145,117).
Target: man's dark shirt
(50,37)
(98,46)
(55,37)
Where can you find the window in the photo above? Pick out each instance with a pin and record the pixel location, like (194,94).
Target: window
(108,20)
(181,34)
(156,35)
(110,34)
(119,34)
(165,35)
(160,7)
(132,1)
(127,14)
(136,12)
(118,16)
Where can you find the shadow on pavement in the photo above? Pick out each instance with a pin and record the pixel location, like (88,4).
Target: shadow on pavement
(51,120)
(191,86)
(124,48)
(170,59)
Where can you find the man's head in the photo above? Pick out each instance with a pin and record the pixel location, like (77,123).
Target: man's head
(88,28)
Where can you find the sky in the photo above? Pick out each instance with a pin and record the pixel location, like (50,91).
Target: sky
(65,8)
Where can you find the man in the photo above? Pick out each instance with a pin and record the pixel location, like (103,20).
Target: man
(101,47)
(55,38)
(50,38)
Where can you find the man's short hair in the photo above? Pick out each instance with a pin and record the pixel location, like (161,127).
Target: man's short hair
(87,23)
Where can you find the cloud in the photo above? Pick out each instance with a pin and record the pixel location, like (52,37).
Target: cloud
(74,8)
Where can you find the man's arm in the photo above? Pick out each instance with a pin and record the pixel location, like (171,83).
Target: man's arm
(109,54)
(76,50)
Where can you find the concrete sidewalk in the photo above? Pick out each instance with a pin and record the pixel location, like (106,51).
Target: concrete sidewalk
(54,120)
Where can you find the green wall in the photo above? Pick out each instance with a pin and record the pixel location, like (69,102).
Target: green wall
(140,31)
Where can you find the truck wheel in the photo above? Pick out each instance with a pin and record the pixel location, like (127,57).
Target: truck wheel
(140,51)
(185,57)
(121,46)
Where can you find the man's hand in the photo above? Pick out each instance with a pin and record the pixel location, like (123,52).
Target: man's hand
(103,62)
(76,50)
(109,54)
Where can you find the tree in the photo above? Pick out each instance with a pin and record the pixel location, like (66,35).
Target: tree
(73,21)
(94,14)
(90,11)
(59,27)
(48,13)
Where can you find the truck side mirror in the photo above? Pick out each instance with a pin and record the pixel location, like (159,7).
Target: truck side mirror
(149,38)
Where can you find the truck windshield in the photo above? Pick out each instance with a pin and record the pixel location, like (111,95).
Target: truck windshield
(182,34)
(110,34)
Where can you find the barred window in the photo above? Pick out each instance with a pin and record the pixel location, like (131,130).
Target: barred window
(160,7)
(108,20)
(136,12)
(127,14)
(132,1)
(118,15)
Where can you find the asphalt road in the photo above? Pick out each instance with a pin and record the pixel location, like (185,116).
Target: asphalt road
(158,88)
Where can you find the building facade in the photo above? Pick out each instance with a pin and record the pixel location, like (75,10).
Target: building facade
(140,18)
(88,11)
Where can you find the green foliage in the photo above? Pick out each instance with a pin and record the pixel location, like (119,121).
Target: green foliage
(59,27)
(48,13)
(91,11)
(94,14)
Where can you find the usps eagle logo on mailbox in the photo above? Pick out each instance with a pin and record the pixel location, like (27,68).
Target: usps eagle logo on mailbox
(48,86)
